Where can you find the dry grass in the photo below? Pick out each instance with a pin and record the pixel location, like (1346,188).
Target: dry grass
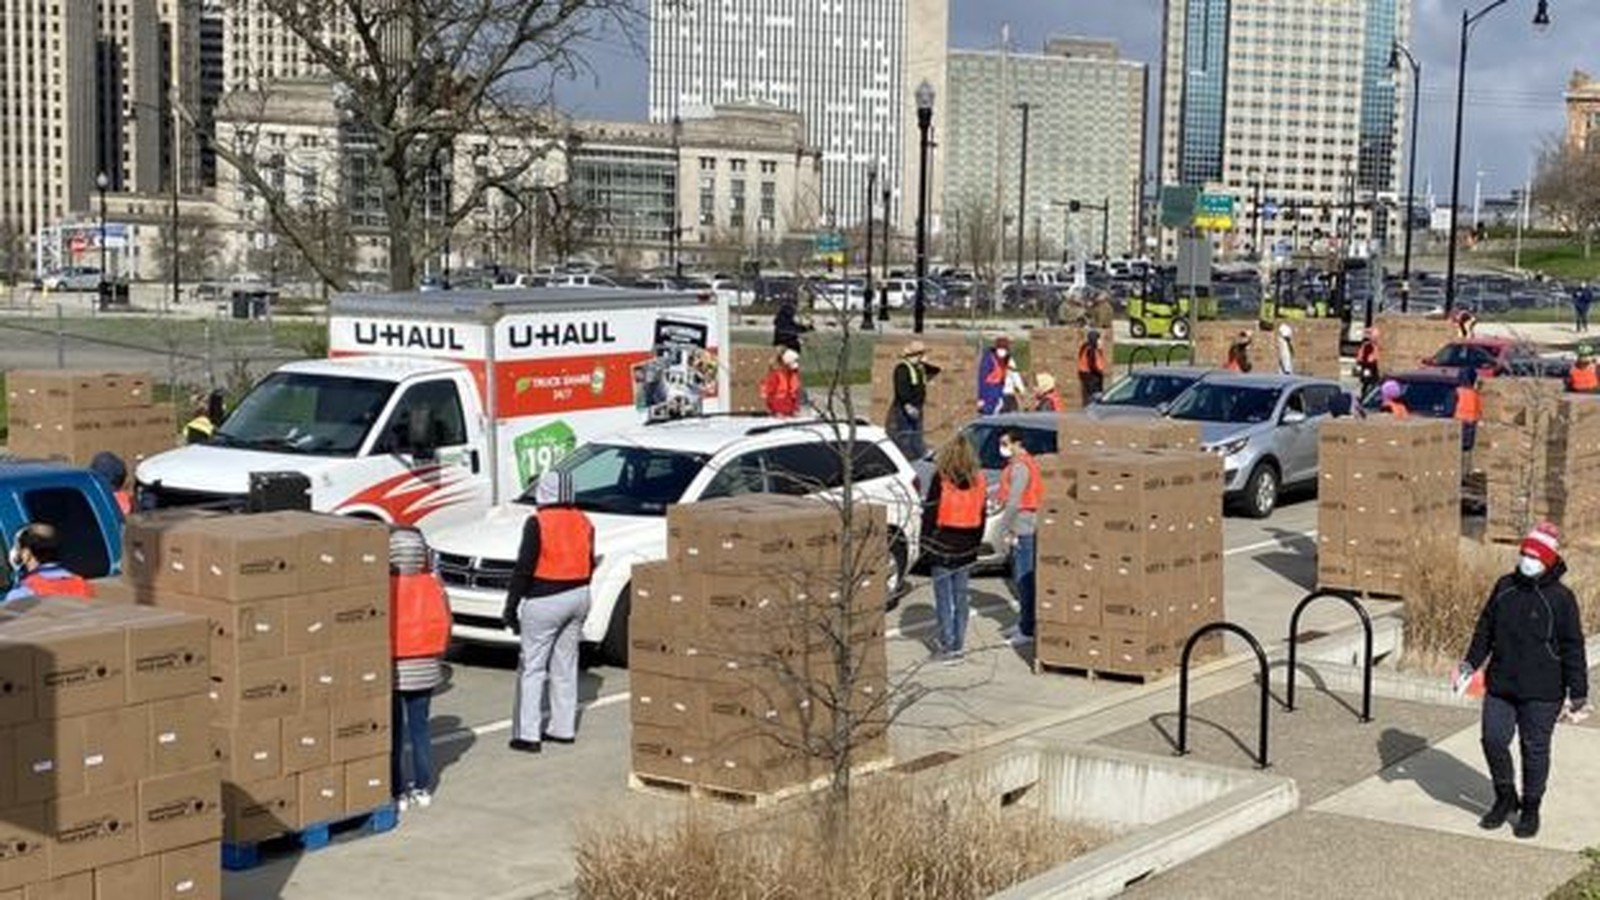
(906,847)
(1450,585)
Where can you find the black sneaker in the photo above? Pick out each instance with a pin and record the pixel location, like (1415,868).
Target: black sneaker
(552,739)
(1528,823)
(1505,803)
(522,746)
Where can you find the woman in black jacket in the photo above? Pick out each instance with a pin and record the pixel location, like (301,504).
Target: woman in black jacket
(1531,635)
(952,529)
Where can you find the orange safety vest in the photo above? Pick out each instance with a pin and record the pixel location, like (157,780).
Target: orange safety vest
(1049,401)
(781,391)
(1396,408)
(961,508)
(1030,494)
(124,501)
(997,372)
(1367,354)
(65,585)
(1584,379)
(419,614)
(566,545)
(1091,362)
(1469,405)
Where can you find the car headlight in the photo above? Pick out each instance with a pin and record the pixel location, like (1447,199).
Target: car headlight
(1232,447)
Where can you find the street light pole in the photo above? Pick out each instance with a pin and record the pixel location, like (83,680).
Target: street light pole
(924,123)
(1541,20)
(867,294)
(675,235)
(101,182)
(445,179)
(1022,194)
(1411,166)
(883,299)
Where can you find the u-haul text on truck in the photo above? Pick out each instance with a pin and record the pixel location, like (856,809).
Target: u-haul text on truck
(432,407)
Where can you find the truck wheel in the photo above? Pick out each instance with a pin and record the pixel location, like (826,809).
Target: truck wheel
(1261,491)
(1180,329)
(614,646)
(1136,328)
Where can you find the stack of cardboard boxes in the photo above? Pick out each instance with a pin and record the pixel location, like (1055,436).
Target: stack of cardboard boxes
(71,415)
(733,667)
(109,789)
(1130,548)
(1405,341)
(1539,448)
(952,395)
(750,367)
(1212,338)
(1386,488)
(300,667)
(1316,346)
(1055,350)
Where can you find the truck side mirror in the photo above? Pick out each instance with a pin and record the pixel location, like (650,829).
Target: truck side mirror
(421,434)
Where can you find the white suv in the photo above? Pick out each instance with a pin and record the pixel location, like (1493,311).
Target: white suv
(625,484)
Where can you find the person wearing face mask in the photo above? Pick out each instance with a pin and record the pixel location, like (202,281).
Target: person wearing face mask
(1021,489)
(1531,635)
(781,389)
(992,371)
(35,559)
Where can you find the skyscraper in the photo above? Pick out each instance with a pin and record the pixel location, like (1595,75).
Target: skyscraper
(850,67)
(1290,104)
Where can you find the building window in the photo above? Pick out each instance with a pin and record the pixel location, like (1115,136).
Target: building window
(736,207)
(768,167)
(708,201)
(769,203)
(708,164)
(736,165)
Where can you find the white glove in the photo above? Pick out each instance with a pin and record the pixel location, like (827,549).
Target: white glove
(1576,712)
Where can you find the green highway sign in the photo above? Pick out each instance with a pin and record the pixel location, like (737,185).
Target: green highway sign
(1214,212)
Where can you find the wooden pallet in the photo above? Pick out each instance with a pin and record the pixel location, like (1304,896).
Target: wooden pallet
(1045,668)
(673,787)
(242,856)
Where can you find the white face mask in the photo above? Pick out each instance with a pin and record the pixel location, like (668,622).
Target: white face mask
(14,557)
(1001,353)
(1007,451)
(1530,567)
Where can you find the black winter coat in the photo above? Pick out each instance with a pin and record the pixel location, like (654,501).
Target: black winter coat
(1531,634)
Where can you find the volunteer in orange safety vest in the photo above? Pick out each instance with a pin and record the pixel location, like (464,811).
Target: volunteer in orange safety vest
(546,603)
(952,529)
(35,556)
(1091,367)
(1583,378)
(419,631)
(1020,492)
(1469,407)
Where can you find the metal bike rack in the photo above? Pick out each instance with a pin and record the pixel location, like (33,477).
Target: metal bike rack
(1366,667)
(1183,687)
(1173,351)
(1133,357)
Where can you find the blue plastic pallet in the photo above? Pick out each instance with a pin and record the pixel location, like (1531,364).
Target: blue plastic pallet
(239,857)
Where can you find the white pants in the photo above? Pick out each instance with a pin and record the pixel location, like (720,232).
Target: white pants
(551,627)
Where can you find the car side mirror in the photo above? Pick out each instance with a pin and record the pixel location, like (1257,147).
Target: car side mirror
(1293,417)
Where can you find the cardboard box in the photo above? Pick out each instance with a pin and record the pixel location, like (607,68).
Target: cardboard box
(366,784)
(360,729)
(360,616)
(246,632)
(667,753)
(168,656)
(249,559)
(24,846)
(660,606)
(667,702)
(249,751)
(321,794)
(179,736)
(367,673)
(307,624)
(115,750)
(364,553)
(257,810)
(320,679)
(192,873)
(77,669)
(253,692)
(307,741)
(73,390)
(92,830)
(48,759)
(755,761)
(179,810)
(136,879)
(17,683)
(69,887)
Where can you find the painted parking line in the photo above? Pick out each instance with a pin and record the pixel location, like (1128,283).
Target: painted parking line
(1265,545)
(896,633)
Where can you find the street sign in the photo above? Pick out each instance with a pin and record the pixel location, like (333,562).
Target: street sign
(1178,205)
(830,242)
(1214,212)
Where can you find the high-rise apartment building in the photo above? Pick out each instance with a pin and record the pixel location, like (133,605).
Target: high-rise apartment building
(1085,143)
(261,48)
(850,68)
(180,67)
(131,82)
(1583,111)
(212,55)
(47,115)
(1290,104)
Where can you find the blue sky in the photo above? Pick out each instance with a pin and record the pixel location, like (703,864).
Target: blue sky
(1516,76)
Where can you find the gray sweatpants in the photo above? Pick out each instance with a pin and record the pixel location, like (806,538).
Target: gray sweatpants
(551,627)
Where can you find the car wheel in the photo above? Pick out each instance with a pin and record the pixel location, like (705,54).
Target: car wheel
(1261,491)
(1137,329)
(899,566)
(614,646)
(1180,329)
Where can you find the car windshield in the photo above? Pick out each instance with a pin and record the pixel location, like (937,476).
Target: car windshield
(294,412)
(1146,389)
(1433,399)
(1463,355)
(627,480)
(1221,402)
(985,438)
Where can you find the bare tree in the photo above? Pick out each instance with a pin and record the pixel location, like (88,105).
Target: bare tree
(1567,186)
(418,77)
(199,246)
(980,236)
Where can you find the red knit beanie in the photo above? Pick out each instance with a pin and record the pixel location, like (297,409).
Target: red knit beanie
(1543,543)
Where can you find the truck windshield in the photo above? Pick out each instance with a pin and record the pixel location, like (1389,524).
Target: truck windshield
(627,480)
(295,412)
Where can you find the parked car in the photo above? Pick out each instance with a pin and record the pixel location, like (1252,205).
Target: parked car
(1265,429)
(1148,391)
(625,483)
(72,278)
(75,501)
(1430,394)
(1038,435)
(1496,356)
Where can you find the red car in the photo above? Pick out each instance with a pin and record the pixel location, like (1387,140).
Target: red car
(1496,356)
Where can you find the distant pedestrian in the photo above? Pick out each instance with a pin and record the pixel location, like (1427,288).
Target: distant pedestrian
(1239,353)
(1466,323)
(1091,367)
(1368,369)
(1469,407)
(419,622)
(1582,299)
(1046,396)
(1285,349)
(1016,388)
(992,369)
(1530,633)
(1583,378)
(1390,399)
(786,325)
(911,375)
(781,390)
(952,528)
(209,413)
(546,603)
(1021,491)
(114,472)
(36,567)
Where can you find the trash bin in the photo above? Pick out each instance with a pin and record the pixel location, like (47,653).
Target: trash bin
(251,304)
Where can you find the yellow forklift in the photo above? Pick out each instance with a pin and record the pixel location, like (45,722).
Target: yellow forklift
(1161,310)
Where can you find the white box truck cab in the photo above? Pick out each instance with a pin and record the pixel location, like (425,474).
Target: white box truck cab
(432,408)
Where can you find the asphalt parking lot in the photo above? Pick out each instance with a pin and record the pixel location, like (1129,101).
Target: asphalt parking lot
(503,825)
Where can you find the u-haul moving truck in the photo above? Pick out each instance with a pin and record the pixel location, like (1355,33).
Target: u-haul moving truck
(433,407)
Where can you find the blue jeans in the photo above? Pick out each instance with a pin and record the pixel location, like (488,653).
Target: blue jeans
(410,725)
(1531,722)
(952,604)
(1024,564)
